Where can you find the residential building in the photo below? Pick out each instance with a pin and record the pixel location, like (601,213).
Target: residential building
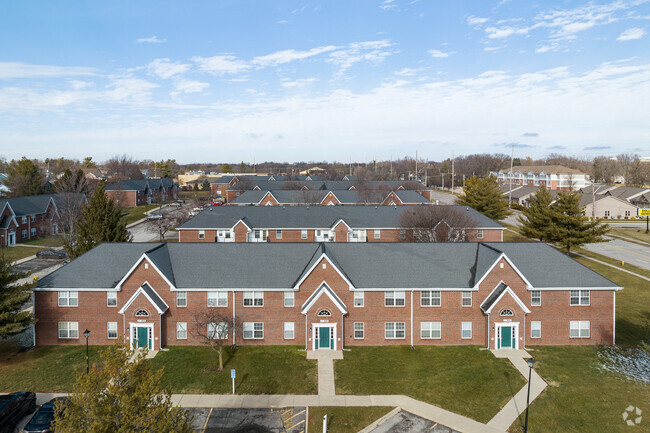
(553,177)
(25,218)
(328,295)
(326,224)
(137,192)
(284,197)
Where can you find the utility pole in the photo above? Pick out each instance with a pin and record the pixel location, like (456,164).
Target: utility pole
(442,176)
(512,159)
(391,166)
(453,157)
(593,202)
(416,165)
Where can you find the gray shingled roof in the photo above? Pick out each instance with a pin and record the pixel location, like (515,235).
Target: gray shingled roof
(493,296)
(154,297)
(366,265)
(140,184)
(313,217)
(27,205)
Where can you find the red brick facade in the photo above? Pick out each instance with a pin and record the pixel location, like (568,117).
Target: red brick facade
(28,227)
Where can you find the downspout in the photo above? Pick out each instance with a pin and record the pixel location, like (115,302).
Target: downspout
(614,318)
(234,328)
(524,331)
(412,347)
(34,317)
(489,333)
(306,332)
(160,339)
(342,330)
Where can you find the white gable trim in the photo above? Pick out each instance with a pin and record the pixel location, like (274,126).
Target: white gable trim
(310,270)
(340,220)
(511,293)
(141,291)
(144,256)
(324,288)
(503,256)
(327,195)
(394,196)
(269,193)
(241,220)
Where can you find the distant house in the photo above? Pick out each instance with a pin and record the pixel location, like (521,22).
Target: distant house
(25,218)
(607,207)
(327,198)
(553,177)
(137,192)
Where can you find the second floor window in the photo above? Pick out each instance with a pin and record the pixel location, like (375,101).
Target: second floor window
(68,299)
(430,298)
(394,299)
(253,299)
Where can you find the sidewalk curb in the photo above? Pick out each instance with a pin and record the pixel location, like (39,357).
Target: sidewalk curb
(373,425)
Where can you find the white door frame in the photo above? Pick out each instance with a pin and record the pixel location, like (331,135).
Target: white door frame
(134,333)
(497,333)
(314,333)
(11,238)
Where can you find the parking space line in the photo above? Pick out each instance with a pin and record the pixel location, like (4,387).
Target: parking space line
(628,251)
(206,420)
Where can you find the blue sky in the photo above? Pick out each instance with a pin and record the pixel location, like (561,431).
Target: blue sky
(333,80)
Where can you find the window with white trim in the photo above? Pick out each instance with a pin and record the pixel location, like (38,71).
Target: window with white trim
(377,234)
(24,220)
(68,329)
(278,234)
(217,331)
(253,299)
(358,331)
(536,298)
(303,234)
(395,330)
(394,299)
(606,214)
(201,234)
(627,214)
(288,299)
(506,312)
(358,299)
(181,299)
(479,234)
(430,298)
(579,329)
(24,234)
(289,333)
(68,299)
(466,330)
(32,218)
(217,298)
(111,330)
(33,231)
(466,298)
(253,330)
(430,330)
(324,313)
(579,297)
(402,234)
(181,330)
(141,313)
(111,299)
(535,329)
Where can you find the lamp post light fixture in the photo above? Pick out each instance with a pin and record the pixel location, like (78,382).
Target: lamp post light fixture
(87,334)
(531,364)
(160,233)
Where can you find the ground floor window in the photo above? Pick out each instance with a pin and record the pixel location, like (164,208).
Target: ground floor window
(288,331)
(466,330)
(358,330)
(535,329)
(395,330)
(218,330)
(430,330)
(111,329)
(68,330)
(253,330)
(181,330)
(579,329)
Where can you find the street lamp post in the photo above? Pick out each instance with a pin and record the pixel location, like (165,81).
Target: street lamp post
(160,233)
(531,364)
(87,334)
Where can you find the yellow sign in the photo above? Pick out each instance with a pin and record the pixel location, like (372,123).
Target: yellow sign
(644,212)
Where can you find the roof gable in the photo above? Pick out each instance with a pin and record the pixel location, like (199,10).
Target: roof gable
(323,289)
(148,292)
(495,296)
(142,258)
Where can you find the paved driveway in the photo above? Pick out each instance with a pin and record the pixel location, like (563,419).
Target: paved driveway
(629,252)
(220,420)
(406,422)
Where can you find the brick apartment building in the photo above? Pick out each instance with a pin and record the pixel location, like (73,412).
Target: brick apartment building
(25,218)
(328,224)
(137,192)
(328,295)
(553,177)
(327,198)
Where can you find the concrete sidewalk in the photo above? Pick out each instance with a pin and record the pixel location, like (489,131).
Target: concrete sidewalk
(325,360)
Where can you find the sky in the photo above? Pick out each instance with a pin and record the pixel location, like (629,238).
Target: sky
(254,81)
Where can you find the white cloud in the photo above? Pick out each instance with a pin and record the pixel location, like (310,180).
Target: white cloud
(130,90)
(79,85)
(190,86)
(409,72)
(299,83)
(504,32)
(164,68)
(151,40)
(387,4)
(476,21)
(493,48)
(287,56)
(221,65)
(438,54)
(9,70)
(282,22)
(631,34)
(373,52)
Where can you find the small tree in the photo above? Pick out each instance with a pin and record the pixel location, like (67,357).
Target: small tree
(485,196)
(537,216)
(428,223)
(12,297)
(205,185)
(569,226)
(101,221)
(213,327)
(123,395)
(23,178)
(169,222)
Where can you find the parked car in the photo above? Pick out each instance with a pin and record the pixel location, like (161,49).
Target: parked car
(42,420)
(154,216)
(13,407)
(51,254)
(176,203)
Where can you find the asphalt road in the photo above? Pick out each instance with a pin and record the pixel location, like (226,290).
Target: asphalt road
(148,232)
(628,252)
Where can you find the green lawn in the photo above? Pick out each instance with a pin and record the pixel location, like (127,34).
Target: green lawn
(43,369)
(629,267)
(133,214)
(18,252)
(509,236)
(46,241)
(189,195)
(462,379)
(632,233)
(344,419)
(260,370)
(580,396)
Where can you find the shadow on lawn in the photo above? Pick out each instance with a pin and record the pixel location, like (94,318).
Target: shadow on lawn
(630,333)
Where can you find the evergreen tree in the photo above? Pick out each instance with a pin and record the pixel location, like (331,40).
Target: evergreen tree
(485,196)
(121,396)
(101,221)
(537,216)
(24,178)
(12,297)
(205,186)
(88,162)
(569,226)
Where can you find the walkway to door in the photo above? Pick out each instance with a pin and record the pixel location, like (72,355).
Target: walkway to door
(325,360)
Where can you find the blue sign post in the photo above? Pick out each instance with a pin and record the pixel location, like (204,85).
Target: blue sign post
(233,374)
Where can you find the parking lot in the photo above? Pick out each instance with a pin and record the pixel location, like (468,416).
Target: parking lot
(275,420)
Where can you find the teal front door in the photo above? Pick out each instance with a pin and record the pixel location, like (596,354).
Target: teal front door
(323,337)
(506,337)
(143,337)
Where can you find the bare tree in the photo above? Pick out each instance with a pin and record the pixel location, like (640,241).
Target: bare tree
(244,183)
(371,193)
(444,223)
(293,185)
(168,222)
(122,167)
(213,327)
(69,205)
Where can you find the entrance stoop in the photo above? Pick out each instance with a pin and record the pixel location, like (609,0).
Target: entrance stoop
(324,354)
